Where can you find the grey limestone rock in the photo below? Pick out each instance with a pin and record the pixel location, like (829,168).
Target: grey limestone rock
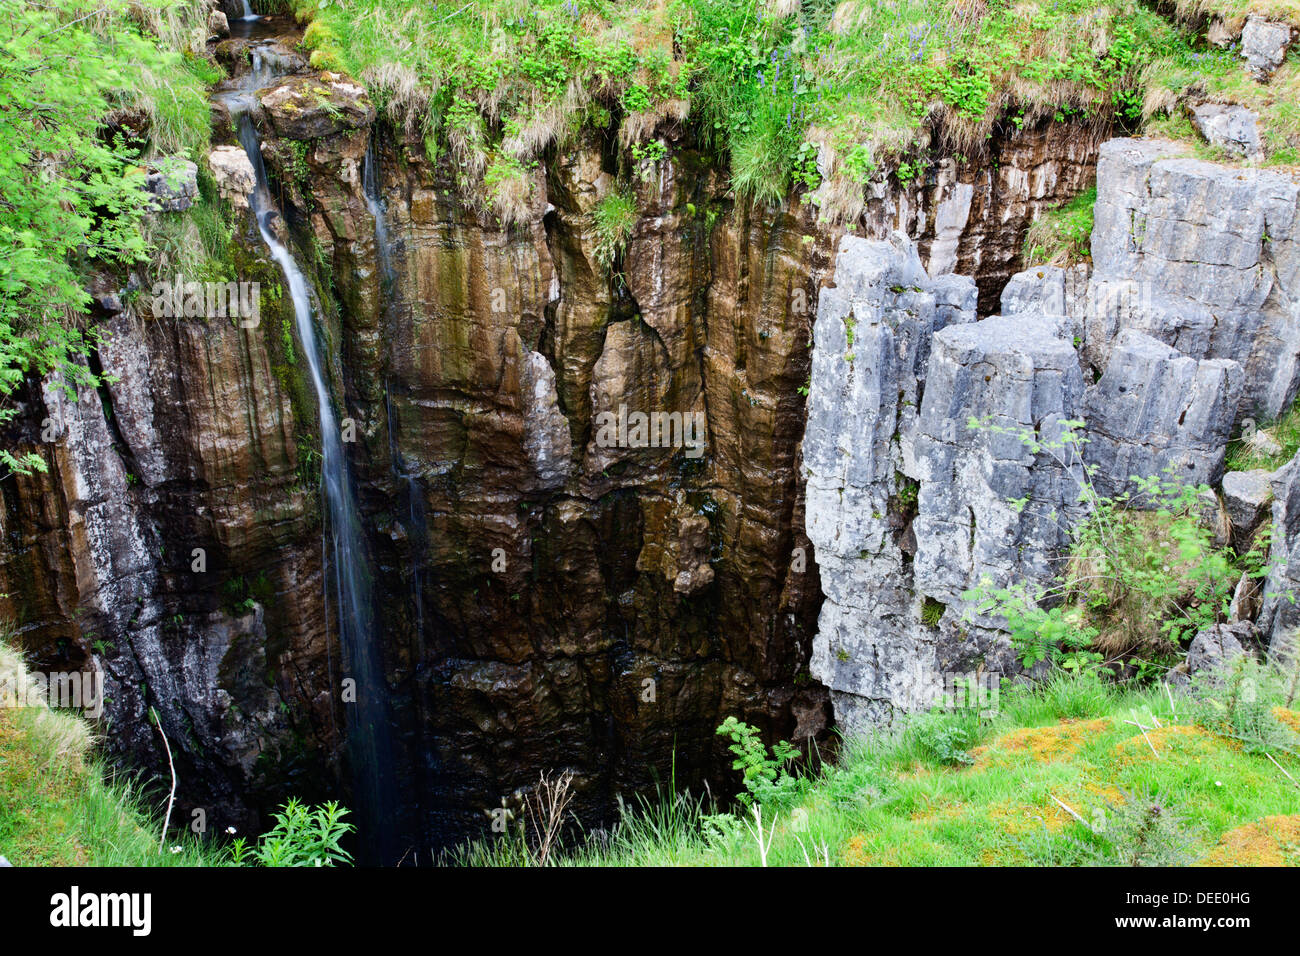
(1203,257)
(1263,45)
(1157,412)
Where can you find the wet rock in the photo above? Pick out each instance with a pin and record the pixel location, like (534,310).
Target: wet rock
(693,545)
(233,173)
(173,182)
(1156,409)
(1263,45)
(1233,127)
(1202,257)
(218,25)
(309,107)
(547,443)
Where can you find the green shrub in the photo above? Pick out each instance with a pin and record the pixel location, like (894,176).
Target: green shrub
(302,836)
(765,777)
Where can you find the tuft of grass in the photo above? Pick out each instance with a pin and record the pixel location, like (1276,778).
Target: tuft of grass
(613,219)
(1249,451)
(1062,236)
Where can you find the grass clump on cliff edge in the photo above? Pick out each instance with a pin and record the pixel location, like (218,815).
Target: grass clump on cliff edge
(817,94)
(1062,236)
(1255,450)
(613,220)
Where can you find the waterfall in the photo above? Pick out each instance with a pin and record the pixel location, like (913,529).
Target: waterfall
(248,13)
(370,188)
(369,744)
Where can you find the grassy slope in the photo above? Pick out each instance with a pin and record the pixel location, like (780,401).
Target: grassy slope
(891,802)
(59,806)
(772,83)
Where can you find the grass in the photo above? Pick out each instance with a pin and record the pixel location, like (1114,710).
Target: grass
(61,806)
(1062,236)
(819,96)
(1247,454)
(901,800)
(613,220)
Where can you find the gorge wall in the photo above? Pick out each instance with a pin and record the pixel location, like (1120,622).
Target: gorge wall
(547,601)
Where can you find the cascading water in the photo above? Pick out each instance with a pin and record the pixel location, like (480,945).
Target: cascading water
(370,188)
(248,12)
(369,741)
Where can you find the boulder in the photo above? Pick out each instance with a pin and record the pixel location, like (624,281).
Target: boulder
(174,183)
(309,107)
(1246,496)
(1219,645)
(218,25)
(233,173)
(1233,127)
(1263,45)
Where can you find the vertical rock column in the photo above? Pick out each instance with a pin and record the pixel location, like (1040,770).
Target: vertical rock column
(871,337)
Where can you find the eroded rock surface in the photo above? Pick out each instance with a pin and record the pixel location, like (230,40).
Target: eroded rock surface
(1202,257)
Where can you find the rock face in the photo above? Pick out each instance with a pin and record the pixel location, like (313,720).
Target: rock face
(1280,616)
(159,550)
(1156,411)
(1185,327)
(872,345)
(1204,258)
(970,217)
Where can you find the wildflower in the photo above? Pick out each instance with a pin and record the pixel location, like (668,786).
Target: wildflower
(230,830)
(176,849)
